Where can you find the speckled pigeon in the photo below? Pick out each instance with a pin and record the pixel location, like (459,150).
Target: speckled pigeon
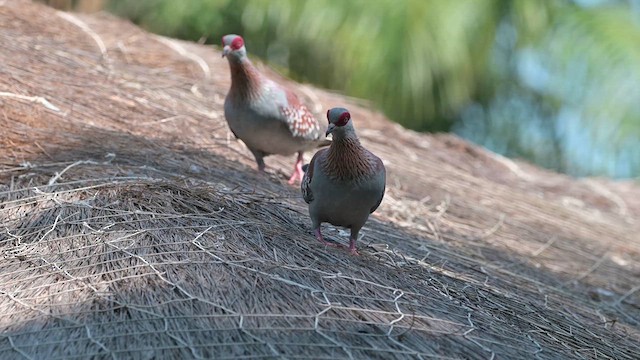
(344,183)
(268,117)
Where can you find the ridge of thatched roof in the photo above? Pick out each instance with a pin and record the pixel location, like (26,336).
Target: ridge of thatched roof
(134,226)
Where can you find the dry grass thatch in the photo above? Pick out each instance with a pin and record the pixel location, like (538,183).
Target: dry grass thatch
(133,226)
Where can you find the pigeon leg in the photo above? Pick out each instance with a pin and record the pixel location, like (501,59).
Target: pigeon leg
(352,246)
(259,155)
(322,240)
(298,173)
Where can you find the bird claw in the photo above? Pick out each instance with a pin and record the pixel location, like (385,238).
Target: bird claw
(296,176)
(331,244)
(328,243)
(293,178)
(352,251)
(298,173)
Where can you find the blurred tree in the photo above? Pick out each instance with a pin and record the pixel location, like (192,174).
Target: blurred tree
(420,61)
(569,99)
(551,81)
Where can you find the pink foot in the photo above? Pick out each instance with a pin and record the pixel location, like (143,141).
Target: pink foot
(297,171)
(296,177)
(352,247)
(323,241)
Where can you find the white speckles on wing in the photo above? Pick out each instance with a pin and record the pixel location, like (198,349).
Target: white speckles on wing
(299,119)
(301,122)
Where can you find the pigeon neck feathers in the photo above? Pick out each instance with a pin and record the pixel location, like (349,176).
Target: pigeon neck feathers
(246,80)
(346,158)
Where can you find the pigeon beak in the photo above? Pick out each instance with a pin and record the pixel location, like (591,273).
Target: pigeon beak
(330,129)
(226,50)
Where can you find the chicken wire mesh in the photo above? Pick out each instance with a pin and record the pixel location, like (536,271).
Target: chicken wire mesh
(144,268)
(134,227)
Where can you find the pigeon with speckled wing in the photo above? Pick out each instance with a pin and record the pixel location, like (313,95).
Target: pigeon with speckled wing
(268,117)
(344,183)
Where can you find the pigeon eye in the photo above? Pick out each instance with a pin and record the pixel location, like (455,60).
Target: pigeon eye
(237,43)
(344,119)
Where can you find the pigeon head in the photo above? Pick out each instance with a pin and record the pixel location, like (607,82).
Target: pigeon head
(339,121)
(233,47)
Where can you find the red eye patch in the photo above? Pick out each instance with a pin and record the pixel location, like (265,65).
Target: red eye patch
(237,43)
(344,119)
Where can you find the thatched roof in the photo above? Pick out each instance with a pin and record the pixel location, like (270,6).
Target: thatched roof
(134,226)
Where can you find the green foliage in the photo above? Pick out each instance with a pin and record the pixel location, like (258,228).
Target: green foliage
(420,61)
(579,80)
(555,81)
